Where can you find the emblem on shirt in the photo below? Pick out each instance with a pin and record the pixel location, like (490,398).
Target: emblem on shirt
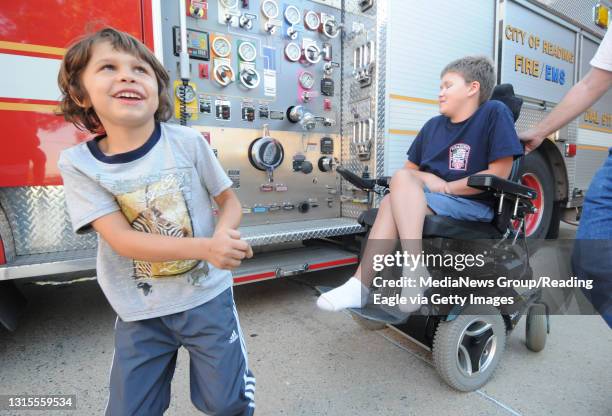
(458,156)
(159,208)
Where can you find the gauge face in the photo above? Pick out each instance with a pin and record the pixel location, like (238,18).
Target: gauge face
(312,20)
(293,15)
(222,47)
(270,9)
(189,94)
(307,80)
(293,52)
(247,51)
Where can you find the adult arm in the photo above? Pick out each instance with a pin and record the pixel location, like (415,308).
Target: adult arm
(579,98)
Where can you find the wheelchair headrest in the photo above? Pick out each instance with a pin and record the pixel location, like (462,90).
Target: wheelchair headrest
(505,94)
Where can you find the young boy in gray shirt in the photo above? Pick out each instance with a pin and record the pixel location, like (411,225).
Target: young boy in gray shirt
(145,187)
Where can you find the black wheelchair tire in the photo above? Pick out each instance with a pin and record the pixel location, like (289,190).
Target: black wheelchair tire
(446,351)
(535,164)
(536,329)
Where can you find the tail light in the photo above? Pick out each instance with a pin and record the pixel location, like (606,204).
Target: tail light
(2,256)
(570,149)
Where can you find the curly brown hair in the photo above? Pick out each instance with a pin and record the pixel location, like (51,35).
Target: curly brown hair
(75,61)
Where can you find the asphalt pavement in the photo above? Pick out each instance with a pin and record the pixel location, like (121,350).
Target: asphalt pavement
(310,362)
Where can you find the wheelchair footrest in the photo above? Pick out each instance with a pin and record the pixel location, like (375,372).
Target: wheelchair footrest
(372,312)
(377,314)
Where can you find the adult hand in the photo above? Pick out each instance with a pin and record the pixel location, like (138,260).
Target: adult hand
(227,250)
(531,138)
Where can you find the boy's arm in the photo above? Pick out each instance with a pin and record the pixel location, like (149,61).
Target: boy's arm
(500,167)
(230,213)
(230,210)
(222,250)
(433,182)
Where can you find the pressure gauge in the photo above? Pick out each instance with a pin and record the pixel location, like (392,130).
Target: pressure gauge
(306,80)
(312,53)
(188,95)
(247,51)
(293,52)
(222,47)
(269,8)
(312,20)
(293,15)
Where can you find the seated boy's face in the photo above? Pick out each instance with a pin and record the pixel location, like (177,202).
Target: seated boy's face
(121,87)
(454,94)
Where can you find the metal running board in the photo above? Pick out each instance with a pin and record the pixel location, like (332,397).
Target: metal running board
(260,235)
(47,264)
(290,262)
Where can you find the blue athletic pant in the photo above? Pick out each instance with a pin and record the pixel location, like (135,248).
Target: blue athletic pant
(145,357)
(592,256)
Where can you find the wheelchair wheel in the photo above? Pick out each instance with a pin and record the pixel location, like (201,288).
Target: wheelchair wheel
(536,328)
(368,324)
(466,350)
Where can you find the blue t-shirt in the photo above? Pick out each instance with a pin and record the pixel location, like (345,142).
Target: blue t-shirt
(454,151)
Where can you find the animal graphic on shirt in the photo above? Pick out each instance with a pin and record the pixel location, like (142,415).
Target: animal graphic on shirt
(158,208)
(458,156)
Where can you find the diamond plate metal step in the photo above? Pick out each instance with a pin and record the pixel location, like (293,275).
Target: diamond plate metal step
(49,264)
(260,235)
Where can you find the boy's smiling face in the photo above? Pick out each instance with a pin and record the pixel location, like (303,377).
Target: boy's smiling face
(455,94)
(121,87)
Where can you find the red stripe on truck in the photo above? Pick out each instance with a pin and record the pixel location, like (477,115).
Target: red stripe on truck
(316,266)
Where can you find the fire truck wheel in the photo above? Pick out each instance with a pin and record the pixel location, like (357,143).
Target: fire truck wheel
(536,174)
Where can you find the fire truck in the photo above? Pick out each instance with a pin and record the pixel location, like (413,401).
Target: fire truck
(284,91)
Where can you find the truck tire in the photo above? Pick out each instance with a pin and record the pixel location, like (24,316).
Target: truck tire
(535,173)
(12,304)
(555,220)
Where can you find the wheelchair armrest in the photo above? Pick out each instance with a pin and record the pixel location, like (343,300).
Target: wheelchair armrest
(488,182)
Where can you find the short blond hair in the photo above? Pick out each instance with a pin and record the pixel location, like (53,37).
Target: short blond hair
(475,68)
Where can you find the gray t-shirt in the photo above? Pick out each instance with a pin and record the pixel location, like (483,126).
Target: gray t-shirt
(164,187)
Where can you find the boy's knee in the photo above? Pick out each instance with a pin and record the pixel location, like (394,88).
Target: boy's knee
(403,177)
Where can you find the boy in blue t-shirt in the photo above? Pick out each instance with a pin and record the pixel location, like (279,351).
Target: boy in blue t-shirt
(472,135)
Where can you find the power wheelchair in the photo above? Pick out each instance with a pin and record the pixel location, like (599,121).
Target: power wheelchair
(467,342)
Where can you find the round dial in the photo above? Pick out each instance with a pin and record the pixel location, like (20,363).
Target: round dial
(293,15)
(247,51)
(269,8)
(312,20)
(189,95)
(222,47)
(293,52)
(307,80)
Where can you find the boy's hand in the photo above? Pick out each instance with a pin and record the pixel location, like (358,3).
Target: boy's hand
(435,183)
(227,250)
